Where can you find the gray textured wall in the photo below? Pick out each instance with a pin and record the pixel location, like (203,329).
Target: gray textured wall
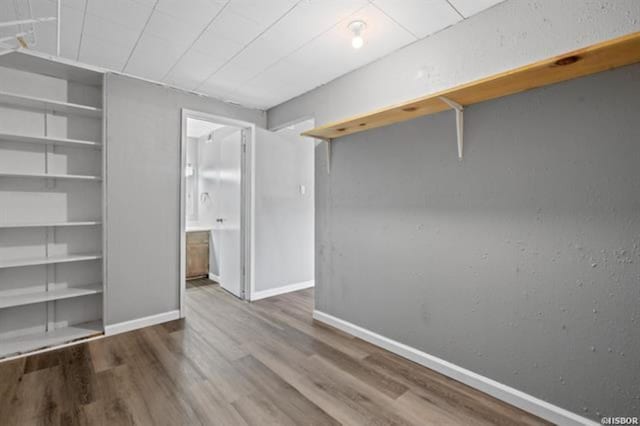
(143,181)
(521,262)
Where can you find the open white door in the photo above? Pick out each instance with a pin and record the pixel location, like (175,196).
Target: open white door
(227,228)
(225,170)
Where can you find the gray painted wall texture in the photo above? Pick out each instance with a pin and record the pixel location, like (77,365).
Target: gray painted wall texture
(143,182)
(521,262)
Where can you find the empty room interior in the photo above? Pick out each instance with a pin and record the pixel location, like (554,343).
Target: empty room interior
(319,212)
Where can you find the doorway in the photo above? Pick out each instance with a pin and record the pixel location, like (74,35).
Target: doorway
(216,203)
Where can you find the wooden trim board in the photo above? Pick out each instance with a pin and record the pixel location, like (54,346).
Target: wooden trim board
(599,57)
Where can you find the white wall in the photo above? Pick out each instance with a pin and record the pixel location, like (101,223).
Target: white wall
(284,222)
(508,35)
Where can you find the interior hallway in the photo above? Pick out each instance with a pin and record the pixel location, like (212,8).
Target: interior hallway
(232,362)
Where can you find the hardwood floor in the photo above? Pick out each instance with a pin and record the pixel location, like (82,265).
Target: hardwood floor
(235,363)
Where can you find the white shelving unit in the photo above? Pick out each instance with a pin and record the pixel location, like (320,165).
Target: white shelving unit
(50,176)
(31,102)
(50,224)
(49,296)
(41,340)
(51,195)
(48,260)
(44,140)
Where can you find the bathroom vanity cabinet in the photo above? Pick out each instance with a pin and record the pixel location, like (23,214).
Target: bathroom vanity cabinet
(197,254)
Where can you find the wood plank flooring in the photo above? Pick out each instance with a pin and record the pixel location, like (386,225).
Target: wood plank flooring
(236,363)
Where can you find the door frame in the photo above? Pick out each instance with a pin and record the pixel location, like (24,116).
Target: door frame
(247,207)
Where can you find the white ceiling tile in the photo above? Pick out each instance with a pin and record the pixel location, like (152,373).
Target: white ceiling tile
(109,31)
(255,97)
(215,89)
(219,51)
(151,3)
(306,21)
(174,29)
(256,52)
(421,17)
(310,18)
(229,26)
(153,57)
(74,4)
(382,37)
(193,69)
(281,74)
(71,30)
(102,53)
(471,7)
(129,13)
(247,64)
(263,12)
(193,11)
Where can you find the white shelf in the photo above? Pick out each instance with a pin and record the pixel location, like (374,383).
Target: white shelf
(31,102)
(49,224)
(23,301)
(46,140)
(37,63)
(49,296)
(33,261)
(51,176)
(32,342)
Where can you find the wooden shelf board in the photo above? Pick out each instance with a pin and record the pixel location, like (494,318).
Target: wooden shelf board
(600,57)
(46,140)
(49,224)
(49,296)
(33,261)
(13,99)
(35,341)
(51,176)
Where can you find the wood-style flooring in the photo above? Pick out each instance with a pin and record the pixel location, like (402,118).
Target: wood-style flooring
(237,363)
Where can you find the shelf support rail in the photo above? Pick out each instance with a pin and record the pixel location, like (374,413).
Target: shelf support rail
(328,142)
(459,122)
(58,25)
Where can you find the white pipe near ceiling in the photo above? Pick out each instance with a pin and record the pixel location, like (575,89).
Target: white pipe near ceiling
(28,21)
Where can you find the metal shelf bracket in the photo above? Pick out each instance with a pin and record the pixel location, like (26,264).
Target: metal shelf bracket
(459,122)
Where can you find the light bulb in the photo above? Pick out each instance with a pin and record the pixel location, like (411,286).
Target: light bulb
(356,28)
(357,42)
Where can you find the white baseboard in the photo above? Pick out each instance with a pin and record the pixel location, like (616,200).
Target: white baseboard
(214,277)
(498,390)
(257,295)
(135,324)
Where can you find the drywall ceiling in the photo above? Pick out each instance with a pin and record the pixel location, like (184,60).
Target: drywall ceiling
(258,53)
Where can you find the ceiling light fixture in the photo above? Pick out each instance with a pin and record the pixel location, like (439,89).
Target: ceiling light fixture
(357,27)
